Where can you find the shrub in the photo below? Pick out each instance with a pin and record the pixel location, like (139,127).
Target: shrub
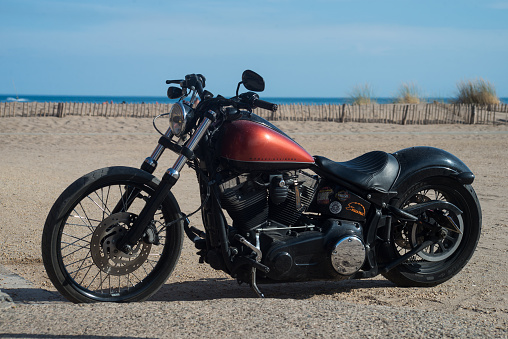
(362,95)
(476,91)
(408,93)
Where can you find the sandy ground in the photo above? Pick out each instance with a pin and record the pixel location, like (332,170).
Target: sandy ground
(39,157)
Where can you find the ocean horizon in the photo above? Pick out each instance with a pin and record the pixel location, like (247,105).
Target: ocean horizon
(165,100)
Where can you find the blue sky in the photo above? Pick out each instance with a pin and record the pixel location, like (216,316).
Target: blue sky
(318,48)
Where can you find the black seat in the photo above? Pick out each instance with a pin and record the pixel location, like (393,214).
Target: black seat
(375,170)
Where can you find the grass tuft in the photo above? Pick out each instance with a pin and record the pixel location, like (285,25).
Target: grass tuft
(408,93)
(476,91)
(362,95)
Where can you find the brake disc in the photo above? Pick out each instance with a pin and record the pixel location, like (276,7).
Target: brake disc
(103,249)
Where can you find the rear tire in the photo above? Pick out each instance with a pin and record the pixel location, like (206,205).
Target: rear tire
(440,262)
(78,239)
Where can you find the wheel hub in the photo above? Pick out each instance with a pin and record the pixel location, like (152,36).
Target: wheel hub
(449,241)
(103,246)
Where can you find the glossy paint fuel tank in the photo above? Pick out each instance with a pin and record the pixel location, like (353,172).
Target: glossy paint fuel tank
(252,146)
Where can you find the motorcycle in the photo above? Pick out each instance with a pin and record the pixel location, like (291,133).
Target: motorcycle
(116,234)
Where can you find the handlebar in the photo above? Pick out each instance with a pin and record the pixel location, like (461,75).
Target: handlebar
(247,100)
(179,82)
(265,105)
(191,80)
(252,99)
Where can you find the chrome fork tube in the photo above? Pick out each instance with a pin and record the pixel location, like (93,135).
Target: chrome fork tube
(150,163)
(193,142)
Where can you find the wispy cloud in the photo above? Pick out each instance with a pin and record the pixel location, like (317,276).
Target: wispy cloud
(503,5)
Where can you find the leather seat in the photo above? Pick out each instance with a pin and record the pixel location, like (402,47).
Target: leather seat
(375,170)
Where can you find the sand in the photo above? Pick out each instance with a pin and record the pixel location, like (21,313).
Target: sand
(40,157)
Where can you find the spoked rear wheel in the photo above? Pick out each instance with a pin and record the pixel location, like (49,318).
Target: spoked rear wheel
(445,258)
(80,233)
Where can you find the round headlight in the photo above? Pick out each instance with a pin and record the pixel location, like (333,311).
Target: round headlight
(177,118)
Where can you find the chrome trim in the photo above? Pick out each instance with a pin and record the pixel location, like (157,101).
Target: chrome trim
(179,163)
(179,110)
(348,255)
(174,173)
(259,254)
(193,142)
(157,152)
(307,227)
(200,131)
(150,161)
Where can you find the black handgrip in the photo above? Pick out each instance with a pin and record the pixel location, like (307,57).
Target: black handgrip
(173,82)
(265,105)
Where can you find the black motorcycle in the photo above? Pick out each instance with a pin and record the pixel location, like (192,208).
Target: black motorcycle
(116,233)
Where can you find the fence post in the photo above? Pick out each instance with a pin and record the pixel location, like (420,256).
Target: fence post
(59,110)
(471,120)
(406,109)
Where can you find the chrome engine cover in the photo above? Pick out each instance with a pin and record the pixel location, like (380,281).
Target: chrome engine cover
(348,255)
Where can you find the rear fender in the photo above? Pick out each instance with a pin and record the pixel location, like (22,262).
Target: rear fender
(418,163)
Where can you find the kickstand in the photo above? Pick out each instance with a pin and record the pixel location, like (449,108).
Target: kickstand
(253,284)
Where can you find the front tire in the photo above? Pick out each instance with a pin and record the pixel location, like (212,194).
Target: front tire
(79,234)
(441,261)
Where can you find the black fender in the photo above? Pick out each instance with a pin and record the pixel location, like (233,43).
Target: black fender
(418,163)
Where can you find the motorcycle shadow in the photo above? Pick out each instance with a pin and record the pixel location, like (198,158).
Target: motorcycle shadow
(226,288)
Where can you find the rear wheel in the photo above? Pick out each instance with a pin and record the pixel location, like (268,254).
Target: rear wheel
(442,260)
(86,221)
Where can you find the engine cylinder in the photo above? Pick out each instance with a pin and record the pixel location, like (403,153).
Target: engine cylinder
(246,204)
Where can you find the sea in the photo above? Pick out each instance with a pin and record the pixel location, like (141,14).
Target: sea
(165,100)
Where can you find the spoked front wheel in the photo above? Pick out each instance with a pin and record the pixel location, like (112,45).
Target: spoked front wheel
(91,215)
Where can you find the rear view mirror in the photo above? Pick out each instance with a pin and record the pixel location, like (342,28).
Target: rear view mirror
(253,81)
(174,92)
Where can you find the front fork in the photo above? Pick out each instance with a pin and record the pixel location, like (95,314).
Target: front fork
(169,179)
(149,165)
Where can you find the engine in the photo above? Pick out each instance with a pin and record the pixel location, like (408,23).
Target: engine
(268,209)
(255,201)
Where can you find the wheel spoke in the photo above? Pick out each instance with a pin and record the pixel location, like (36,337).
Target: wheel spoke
(77,239)
(441,246)
(91,227)
(86,222)
(96,204)
(86,274)
(135,276)
(86,237)
(93,279)
(81,268)
(77,250)
(75,262)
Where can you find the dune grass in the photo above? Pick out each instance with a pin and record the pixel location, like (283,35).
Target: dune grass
(362,95)
(478,91)
(409,93)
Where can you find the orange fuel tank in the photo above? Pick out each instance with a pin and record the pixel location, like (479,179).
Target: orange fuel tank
(250,145)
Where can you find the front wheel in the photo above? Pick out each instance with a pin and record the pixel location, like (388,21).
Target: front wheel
(438,262)
(85,222)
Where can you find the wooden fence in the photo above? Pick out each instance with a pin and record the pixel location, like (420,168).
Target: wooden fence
(430,113)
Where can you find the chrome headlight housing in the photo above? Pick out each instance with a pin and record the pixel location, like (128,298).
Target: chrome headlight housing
(178,118)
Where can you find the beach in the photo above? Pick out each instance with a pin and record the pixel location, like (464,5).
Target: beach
(41,156)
